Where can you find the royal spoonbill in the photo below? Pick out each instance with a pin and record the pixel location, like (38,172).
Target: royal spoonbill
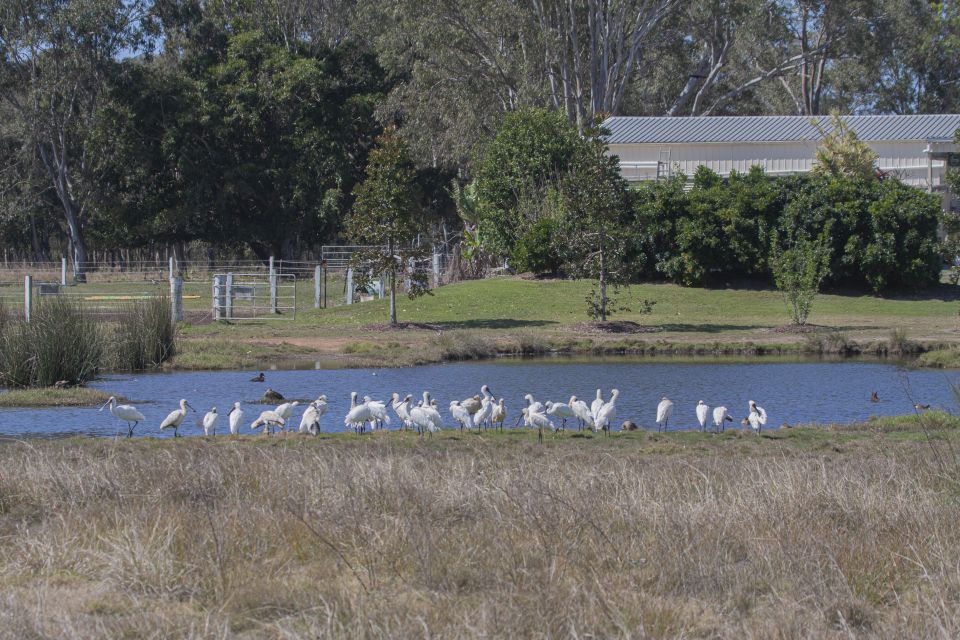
(175,417)
(757,417)
(664,411)
(461,415)
(607,412)
(582,411)
(703,413)
(268,420)
(720,417)
(126,412)
(499,414)
(235,416)
(210,422)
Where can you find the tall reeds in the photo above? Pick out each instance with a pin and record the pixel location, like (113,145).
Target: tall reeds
(145,336)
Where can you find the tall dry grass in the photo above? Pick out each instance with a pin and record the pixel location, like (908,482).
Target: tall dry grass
(376,539)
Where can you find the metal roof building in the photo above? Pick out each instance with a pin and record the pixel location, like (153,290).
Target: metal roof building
(915,148)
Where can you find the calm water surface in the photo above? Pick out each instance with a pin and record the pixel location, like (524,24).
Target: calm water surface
(792,393)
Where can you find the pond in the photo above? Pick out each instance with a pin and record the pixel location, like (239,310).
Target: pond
(791,392)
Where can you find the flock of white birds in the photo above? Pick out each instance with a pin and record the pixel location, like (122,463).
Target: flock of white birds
(481,411)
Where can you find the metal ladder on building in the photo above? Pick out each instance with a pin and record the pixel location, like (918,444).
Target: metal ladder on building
(664,168)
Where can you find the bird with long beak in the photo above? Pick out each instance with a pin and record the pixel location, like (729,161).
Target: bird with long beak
(175,417)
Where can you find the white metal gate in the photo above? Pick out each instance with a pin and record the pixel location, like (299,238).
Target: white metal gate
(254,296)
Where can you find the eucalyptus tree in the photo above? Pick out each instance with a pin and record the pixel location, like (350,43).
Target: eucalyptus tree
(55,57)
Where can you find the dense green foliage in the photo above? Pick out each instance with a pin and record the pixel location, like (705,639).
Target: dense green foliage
(145,337)
(799,266)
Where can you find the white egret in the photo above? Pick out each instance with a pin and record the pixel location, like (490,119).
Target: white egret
(720,416)
(175,417)
(607,412)
(461,415)
(664,411)
(126,412)
(560,410)
(596,405)
(268,420)
(757,417)
(703,414)
(582,411)
(210,422)
(235,415)
(359,414)
(310,422)
(499,414)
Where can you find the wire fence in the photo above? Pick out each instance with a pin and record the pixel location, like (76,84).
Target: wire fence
(206,291)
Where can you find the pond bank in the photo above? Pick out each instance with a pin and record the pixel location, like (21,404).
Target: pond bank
(54,397)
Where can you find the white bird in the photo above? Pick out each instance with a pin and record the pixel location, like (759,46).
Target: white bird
(210,422)
(310,422)
(461,415)
(268,420)
(285,410)
(582,411)
(235,415)
(532,404)
(321,405)
(499,414)
(757,417)
(540,421)
(175,417)
(607,412)
(664,411)
(378,410)
(596,405)
(486,410)
(703,414)
(425,417)
(720,416)
(359,414)
(471,404)
(560,410)
(402,409)
(126,412)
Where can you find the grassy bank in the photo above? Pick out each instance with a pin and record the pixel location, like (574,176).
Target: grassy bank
(53,397)
(799,533)
(515,316)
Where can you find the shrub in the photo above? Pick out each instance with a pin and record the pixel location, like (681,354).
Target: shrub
(145,336)
(62,342)
(535,250)
(799,268)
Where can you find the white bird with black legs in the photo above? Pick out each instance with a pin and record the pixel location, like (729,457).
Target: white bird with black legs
(539,420)
(402,409)
(210,419)
(320,404)
(720,418)
(664,411)
(607,413)
(461,415)
(378,410)
(703,414)
(482,418)
(126,412)
(532,404)
(310,421)
(285,410)
(359,414)
(268,420)
(235,416)
(425,417)
(582,412)
(757,417)
(499,414)
(560,410)
(175,417)
(596,405)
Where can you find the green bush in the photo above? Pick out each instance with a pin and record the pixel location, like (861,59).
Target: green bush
(536,251)
(145,336)
(62,342)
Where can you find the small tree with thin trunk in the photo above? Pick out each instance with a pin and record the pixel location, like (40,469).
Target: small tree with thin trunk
(799,265)
(595,235)
(386,217)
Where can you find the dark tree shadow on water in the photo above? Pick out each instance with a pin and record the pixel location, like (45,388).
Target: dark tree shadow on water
(498,323)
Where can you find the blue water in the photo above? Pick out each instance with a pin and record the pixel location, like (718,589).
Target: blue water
(792,393)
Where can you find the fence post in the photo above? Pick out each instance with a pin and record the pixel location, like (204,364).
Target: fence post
(176,299)
(217,294)
(436,269)
(170,274)
(228,300)
(325,284)
(63,272)
(349,286)
(381,288)
(273,288)
(27,297)
(316,287)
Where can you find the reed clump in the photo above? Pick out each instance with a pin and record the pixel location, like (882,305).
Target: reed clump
(145,336)
(62,342)
(393,537)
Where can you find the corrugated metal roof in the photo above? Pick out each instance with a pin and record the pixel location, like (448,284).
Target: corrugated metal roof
(646,130)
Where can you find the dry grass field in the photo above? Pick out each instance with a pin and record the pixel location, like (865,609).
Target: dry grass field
(845,532)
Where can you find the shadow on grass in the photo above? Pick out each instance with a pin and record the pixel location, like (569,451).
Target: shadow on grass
(708,328)
(499,323)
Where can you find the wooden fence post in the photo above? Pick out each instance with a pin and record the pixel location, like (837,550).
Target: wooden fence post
(27,297)
(176,299)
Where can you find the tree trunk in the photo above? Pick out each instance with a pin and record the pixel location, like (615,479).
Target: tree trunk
(393,287)
(57,170)
(603,287)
